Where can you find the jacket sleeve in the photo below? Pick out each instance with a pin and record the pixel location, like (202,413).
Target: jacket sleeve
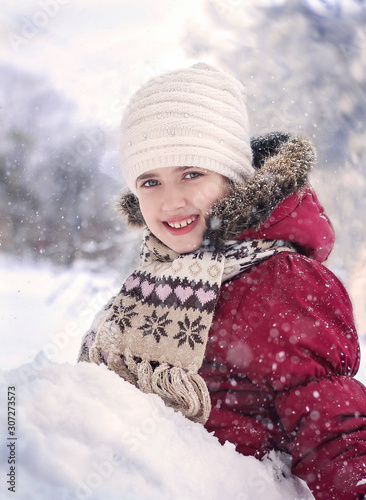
(297,323)
(302,344)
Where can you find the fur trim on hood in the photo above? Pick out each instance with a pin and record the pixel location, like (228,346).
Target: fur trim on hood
(283,162)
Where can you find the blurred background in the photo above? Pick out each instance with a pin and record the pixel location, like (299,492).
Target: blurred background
(67,69)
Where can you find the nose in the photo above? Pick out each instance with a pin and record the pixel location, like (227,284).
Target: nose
(173,199)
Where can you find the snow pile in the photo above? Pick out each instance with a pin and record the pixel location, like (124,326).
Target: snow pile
(84,433)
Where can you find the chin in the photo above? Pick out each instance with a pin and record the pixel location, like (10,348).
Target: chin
(187,248)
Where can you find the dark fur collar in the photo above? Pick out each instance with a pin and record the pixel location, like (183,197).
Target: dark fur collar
(282,163)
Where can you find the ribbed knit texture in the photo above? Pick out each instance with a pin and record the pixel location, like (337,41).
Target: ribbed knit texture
(191,117)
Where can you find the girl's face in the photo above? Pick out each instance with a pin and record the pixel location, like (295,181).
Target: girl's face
(174,202)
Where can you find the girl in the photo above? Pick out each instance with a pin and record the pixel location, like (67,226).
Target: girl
(231,317)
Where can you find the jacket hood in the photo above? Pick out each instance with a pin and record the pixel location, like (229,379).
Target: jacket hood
(302,221)
(277,203)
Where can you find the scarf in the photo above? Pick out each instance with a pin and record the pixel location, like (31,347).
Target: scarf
(155,330)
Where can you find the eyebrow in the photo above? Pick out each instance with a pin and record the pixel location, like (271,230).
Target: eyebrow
(151,173)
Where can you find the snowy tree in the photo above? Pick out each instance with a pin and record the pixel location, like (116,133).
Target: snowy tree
(55,202)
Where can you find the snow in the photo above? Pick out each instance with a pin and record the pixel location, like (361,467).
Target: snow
(49,308)
(84,433)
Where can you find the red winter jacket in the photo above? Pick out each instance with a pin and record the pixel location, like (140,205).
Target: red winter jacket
(281,357)
(283,348)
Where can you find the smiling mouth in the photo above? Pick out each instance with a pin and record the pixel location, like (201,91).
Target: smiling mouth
(179,225)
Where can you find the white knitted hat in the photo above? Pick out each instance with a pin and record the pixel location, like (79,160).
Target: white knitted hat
(190,117)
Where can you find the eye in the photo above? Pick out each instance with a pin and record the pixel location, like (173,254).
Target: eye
(192,175)
(150,183)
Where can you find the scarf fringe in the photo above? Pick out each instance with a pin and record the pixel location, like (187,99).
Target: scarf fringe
(115,363)
(181,390)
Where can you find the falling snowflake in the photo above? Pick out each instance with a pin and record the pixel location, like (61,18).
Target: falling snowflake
(155,326)
(190,332)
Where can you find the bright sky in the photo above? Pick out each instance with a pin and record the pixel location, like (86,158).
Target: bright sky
(96,51)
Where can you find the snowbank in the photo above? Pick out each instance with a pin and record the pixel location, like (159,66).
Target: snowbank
(84,433)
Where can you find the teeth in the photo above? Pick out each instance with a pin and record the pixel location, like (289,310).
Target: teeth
(179,225)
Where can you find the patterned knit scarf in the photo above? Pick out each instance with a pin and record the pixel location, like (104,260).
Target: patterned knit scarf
(154,333)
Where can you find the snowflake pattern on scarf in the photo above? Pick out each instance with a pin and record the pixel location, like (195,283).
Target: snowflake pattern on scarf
(155,325)
(190,332)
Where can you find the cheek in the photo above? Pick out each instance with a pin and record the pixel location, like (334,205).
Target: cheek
(146,208)
(208,195)
(145,200)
